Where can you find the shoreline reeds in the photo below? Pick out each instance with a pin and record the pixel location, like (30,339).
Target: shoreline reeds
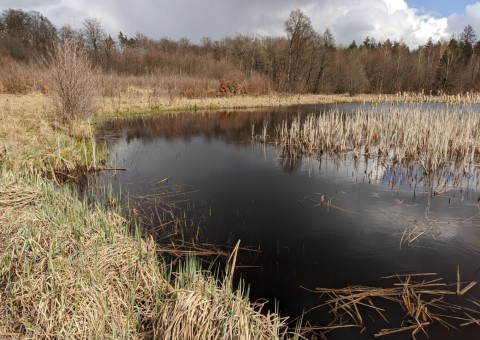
(435,139)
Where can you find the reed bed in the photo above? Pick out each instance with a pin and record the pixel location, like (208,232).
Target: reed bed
(68,269)
(399,135)
(422,297)
(422,97)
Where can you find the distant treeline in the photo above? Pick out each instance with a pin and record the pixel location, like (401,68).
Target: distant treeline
(302,61)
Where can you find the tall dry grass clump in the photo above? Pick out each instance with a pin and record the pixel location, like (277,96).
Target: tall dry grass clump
(70,270)
(71,80)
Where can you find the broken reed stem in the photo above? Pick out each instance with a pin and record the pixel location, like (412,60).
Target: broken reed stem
(384,332)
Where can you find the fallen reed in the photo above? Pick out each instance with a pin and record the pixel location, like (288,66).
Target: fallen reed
(423,298)
(435,139)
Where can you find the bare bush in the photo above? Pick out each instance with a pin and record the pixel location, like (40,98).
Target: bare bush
(71,80)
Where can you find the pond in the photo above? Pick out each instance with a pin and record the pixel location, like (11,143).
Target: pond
(321,221)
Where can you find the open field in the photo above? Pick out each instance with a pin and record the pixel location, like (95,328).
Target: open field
(139,100)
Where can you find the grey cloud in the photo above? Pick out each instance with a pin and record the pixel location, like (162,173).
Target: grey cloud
(26,4)
(195,19)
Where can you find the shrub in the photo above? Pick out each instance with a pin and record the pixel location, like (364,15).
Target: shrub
(71,80)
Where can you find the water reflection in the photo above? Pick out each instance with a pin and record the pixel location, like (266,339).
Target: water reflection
(363,228)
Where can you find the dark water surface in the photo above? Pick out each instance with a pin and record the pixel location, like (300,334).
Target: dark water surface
(246,190)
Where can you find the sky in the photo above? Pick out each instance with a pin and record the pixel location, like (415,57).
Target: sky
(410,21)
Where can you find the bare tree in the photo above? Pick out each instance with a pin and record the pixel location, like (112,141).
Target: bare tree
(354,76)
(71,79)
(93,33)
(299,33)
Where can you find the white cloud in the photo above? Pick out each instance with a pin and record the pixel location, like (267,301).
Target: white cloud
(380,19)
(194,19)
(456,22)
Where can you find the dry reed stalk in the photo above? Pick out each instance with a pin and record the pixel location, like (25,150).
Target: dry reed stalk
(417,229)
(453,99)
(202,309)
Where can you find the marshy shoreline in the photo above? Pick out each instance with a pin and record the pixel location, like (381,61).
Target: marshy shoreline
(78,263)
(73,269)
(69,268)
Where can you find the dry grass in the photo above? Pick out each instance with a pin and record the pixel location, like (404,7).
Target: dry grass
(32,140)
(70,270)
(141,100)
(423,297)
(203,308)
(133,100)
(67,270)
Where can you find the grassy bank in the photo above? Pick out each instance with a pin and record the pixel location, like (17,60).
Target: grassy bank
(33,141)
(69,269)
(140,100)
